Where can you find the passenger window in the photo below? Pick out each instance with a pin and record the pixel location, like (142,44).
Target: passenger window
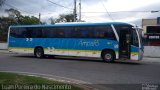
(75,33)
(111,34)
(48,32)
(104,32)
(100,32)
(68,32)
(60,32)
(85,32)
(22,33)
(36,33)
(13,32)
(19,33)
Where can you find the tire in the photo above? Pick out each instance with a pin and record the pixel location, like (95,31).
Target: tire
(108,56)
(39,52)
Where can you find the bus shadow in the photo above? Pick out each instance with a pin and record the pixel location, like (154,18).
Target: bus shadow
(128,62)
(84,59)
(77,59)
(100,61)
(24,56)
(66,58)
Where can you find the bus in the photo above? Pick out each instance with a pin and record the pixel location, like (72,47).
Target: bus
(109,41)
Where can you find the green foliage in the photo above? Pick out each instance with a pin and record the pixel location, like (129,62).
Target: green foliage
(20,19)
(5,22)
(12,78)
(63,18)
(13,12)
(26,20)
(14,18)
(7,79)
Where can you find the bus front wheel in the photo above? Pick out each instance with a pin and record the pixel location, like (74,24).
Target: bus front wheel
(108,56)
(39,52)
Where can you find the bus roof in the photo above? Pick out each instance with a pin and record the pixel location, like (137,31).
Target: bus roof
(73,24)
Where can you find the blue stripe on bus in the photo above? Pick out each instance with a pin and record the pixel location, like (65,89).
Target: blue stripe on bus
(134,49)
(65,43)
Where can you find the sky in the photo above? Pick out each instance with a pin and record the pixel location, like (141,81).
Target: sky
(131,11)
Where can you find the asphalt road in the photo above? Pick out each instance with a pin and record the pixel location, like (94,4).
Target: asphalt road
(87,70)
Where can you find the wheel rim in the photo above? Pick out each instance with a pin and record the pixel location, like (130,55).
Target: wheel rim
(39,52)
(108,56)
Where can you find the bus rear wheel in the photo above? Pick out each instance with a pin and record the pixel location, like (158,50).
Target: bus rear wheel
(39,52)
(108,56)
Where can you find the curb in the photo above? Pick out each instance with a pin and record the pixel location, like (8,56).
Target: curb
(5,51)
(151,59)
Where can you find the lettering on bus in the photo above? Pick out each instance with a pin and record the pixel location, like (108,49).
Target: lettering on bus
(29,39)
(116,46)
(89,43)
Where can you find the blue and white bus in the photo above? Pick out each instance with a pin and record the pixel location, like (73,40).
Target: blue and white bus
(109,41)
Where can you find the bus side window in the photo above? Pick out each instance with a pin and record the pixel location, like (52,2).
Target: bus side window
(105,32)
(39,33)
(76,33)
(99,32)
(28,33)
(13,32)
(90,32)
(48,32)
(60,32)
(67,31)
(118,27)
(22,33)
(36,32)
(83,32)
(110,33)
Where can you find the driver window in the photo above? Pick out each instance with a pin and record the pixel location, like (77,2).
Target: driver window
(134,38)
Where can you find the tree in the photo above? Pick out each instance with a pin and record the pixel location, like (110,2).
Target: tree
(14,18)
(5,22)
(20,19)
(2,2)
(14,14)
(26,20)
(63,18)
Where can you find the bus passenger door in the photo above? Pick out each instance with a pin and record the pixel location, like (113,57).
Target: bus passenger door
(135,47)
(124,43)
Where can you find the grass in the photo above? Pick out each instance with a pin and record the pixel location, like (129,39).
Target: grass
(23,82)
